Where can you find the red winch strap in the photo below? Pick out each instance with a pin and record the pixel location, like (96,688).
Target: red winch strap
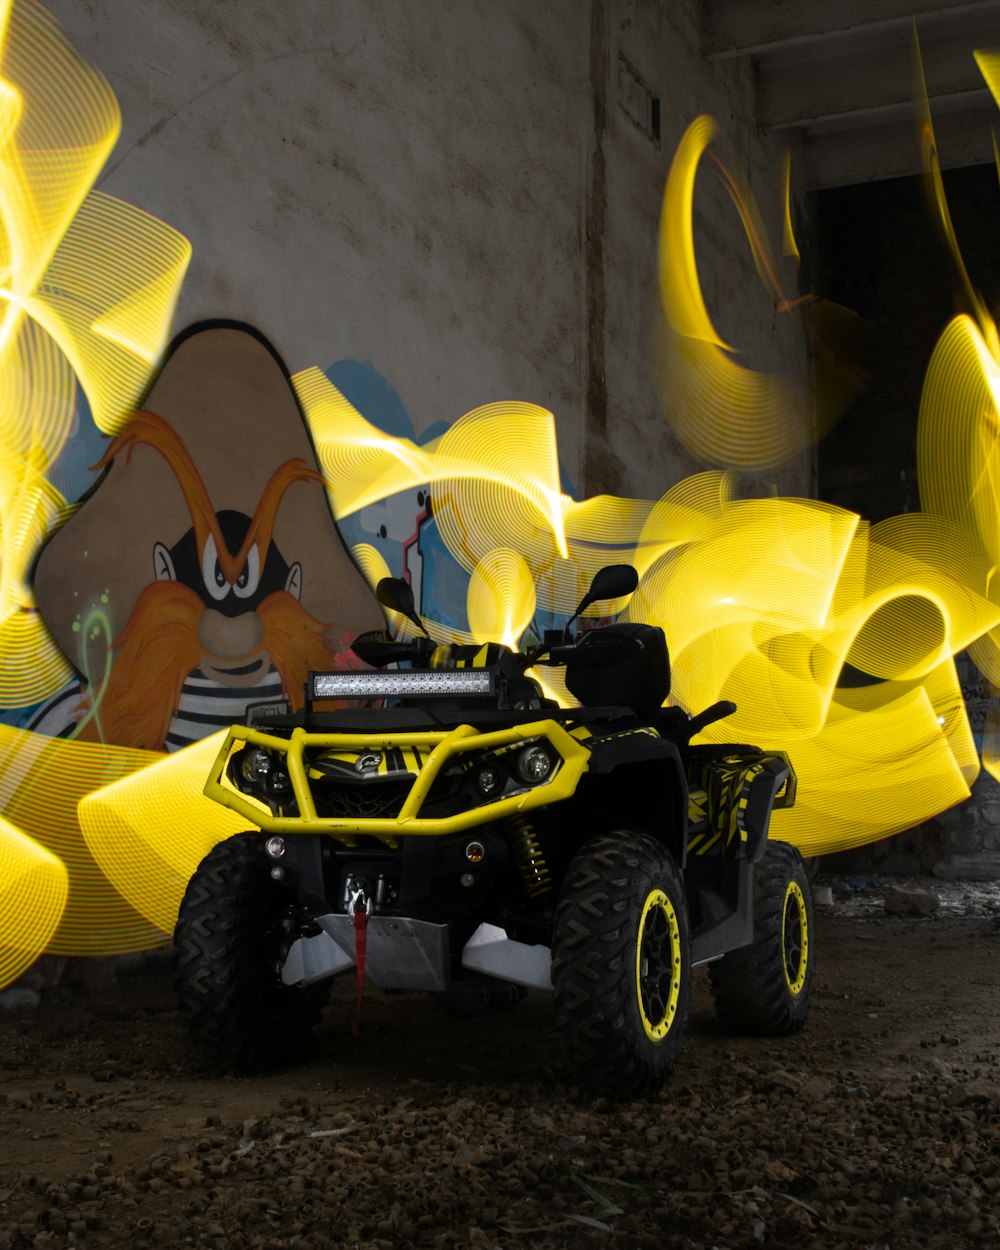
(360,942)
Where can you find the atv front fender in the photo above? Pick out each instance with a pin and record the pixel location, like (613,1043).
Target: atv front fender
(638,779)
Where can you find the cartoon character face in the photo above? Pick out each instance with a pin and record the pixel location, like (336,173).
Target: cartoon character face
(220,575)
(231,632)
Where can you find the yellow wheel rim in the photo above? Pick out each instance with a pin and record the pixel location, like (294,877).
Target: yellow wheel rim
(795,938)
(658,965)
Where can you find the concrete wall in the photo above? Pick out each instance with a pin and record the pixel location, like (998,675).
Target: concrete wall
(455,192)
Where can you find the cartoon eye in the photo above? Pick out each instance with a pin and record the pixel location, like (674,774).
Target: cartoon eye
(249,578)
(211,571)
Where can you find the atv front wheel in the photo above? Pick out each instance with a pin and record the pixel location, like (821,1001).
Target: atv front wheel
(765,988)
(621,963)
(233,932)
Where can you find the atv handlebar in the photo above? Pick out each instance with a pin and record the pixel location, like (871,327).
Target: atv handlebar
(725,707)
(590,650)
(378,649)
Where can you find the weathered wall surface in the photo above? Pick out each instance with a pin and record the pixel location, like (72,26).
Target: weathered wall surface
(629,436)
(460,194)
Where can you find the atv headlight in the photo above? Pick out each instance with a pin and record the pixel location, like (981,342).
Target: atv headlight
(511,769)
(255,765)
(534,765)
(489,780)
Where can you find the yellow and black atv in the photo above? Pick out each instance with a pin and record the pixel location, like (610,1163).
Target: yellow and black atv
(469,837)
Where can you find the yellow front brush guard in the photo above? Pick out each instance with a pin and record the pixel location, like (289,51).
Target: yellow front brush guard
(441,745)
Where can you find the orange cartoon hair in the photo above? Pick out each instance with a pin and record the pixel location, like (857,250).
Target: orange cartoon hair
(159,647)
(149,430)
(156,650)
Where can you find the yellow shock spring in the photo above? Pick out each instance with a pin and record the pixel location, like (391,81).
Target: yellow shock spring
(527,853)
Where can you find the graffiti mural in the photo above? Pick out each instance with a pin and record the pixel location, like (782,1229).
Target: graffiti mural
(233,582)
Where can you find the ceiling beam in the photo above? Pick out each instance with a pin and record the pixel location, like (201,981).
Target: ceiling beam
(794,90)
(838,157)
(897,110)
(734,28)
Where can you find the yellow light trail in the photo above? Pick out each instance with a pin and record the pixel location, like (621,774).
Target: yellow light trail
(88,286)
(42,781)
(150,860)
(958,435)
(33,888)
(724,412)
(836,638)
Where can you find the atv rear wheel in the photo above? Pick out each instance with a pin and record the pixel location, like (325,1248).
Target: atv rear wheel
(233,932)
(765,988)
(621,963)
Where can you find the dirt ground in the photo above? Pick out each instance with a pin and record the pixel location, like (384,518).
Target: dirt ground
(878,1127)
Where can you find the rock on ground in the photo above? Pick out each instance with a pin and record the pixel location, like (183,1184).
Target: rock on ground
(900,901)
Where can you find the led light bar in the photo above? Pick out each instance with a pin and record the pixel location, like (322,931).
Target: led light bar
(405,684)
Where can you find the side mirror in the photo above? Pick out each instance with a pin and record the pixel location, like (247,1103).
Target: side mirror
(611,582)
(396,594)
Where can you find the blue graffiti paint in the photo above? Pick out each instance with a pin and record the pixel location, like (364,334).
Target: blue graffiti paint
(71,472)
(402,527)
(72,476)
(374,396)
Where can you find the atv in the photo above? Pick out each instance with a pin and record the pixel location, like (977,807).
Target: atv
(458,832)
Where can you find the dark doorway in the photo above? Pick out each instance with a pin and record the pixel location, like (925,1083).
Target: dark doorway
(880,254)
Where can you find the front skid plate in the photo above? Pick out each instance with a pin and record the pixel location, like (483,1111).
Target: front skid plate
(401,954)
(404,954)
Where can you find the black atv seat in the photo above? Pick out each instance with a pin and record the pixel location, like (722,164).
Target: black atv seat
(640,679)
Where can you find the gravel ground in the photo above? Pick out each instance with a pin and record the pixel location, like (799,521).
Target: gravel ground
(878,1127)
